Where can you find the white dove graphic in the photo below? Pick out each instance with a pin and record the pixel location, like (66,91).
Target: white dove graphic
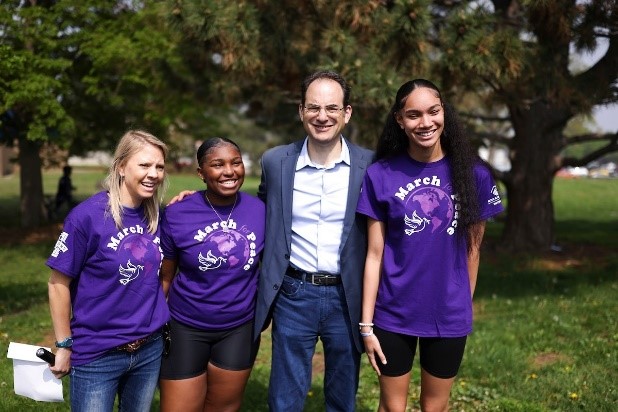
(130,272)
(416,223)
(210,261)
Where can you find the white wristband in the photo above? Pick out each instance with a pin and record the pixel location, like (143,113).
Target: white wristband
(367,334)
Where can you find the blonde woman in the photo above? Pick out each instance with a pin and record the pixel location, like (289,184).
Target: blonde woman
(106,301)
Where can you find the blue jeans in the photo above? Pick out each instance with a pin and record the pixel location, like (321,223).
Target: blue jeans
(302,314)
(133,376)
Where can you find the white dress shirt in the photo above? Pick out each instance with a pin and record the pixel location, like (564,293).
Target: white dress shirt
(318,208)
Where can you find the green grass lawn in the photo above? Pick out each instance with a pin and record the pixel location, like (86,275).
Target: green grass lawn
(546,325)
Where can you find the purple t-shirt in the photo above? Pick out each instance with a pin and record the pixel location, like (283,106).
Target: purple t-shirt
(424,288)
(116,295)
(216,283)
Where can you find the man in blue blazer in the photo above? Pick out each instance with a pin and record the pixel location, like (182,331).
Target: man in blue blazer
(312,268)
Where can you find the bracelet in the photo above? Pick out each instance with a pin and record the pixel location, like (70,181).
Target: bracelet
(361,324)
(367,334)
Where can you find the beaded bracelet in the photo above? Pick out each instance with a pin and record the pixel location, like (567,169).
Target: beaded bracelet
(366,334)
(361,324)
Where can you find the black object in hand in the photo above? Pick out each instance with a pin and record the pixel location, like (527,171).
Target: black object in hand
(46,355)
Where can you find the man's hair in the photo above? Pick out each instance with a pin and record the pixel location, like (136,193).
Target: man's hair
(329,75)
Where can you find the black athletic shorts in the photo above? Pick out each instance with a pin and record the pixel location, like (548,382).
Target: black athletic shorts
(440,357)
(191,350)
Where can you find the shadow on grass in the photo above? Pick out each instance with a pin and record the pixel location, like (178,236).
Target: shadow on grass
(585,231)
(256,394)
(20,297)
(10,214)
(551,273)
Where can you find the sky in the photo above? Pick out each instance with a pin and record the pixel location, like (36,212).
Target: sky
(607,118)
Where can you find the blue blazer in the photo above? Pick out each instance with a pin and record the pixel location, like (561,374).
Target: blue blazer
(278,168)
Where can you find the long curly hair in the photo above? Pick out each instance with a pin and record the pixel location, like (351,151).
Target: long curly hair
(459,152)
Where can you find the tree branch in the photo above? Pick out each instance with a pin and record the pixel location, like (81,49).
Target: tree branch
(600,80)
(484,117)
(590,137)
(493,138)
(611,147)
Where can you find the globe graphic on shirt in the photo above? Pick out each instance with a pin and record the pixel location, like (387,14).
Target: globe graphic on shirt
(138,255)
(230,247)
(431,206)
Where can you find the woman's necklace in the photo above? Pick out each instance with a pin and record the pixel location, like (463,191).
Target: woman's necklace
(225,224)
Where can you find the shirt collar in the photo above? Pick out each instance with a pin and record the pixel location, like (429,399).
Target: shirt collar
(304,160)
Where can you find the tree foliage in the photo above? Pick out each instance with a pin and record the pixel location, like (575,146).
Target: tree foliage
(504,63)
(258,52)
(87,70)
(538,91)
(77,74)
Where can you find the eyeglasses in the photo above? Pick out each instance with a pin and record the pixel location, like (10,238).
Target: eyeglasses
(331,110)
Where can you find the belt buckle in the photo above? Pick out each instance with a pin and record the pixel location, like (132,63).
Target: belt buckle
(132,346)
(320,279)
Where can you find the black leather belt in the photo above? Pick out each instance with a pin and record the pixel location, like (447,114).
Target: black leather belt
(318,279)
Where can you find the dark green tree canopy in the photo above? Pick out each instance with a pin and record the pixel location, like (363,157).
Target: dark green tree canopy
(504,63)
(78,74)
(88,70)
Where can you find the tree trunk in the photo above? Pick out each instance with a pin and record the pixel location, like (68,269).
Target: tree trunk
(32,206)
(530,210)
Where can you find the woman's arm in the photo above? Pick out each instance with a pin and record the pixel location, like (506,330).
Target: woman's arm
(60,310)
(474,253)
(180,196)
(371,280)
(168,271)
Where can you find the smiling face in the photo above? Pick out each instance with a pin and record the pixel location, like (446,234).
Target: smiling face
(223,171)
(422,119)
(141,175)
(324,115)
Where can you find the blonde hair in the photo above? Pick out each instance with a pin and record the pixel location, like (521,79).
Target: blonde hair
(131,143)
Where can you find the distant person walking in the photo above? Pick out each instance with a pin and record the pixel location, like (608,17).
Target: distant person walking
(65,190)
